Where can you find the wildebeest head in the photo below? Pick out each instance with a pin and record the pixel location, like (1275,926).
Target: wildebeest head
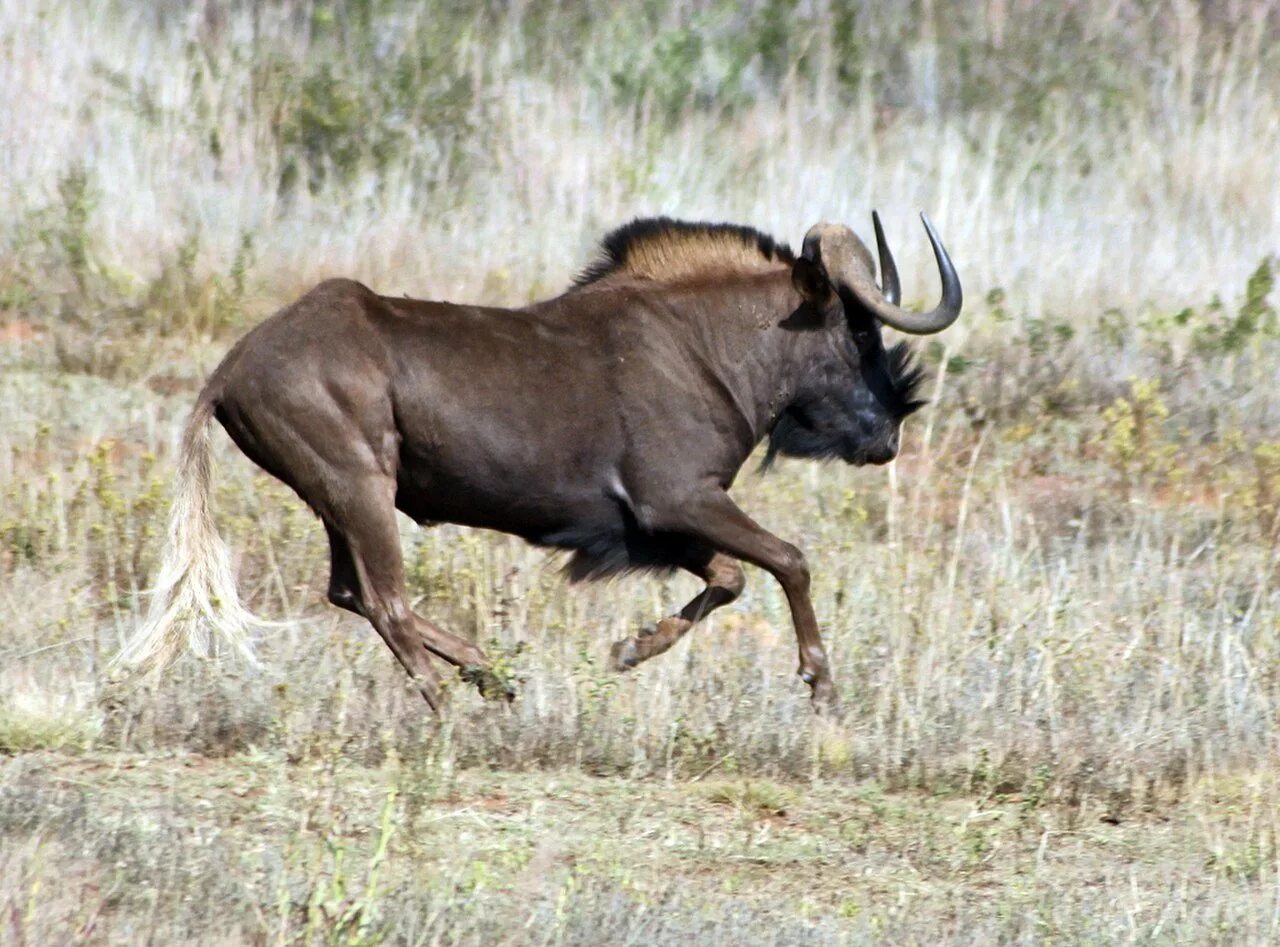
(853,406)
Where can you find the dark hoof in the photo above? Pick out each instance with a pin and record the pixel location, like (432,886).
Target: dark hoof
(490,684)
(623,656)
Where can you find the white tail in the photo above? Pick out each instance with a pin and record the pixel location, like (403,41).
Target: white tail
(196,590)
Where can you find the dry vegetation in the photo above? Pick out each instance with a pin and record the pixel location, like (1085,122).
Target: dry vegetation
(1054,620)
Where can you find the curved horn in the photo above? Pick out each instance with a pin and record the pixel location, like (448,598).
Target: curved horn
(889,284)
(935,320)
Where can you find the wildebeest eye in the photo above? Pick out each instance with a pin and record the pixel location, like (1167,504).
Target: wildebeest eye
(862,338)
(861,329)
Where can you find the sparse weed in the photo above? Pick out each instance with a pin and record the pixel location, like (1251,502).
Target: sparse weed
(25,729)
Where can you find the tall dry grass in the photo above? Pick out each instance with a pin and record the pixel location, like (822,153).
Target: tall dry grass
(1065,589)
(1082,157)
(183,168)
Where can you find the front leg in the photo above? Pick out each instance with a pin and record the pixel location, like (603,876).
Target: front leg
(714,518)
(724,580)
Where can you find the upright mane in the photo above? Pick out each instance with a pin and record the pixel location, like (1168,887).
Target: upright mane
(666,250)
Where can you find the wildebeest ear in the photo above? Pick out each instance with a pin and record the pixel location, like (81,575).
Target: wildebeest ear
(809,277)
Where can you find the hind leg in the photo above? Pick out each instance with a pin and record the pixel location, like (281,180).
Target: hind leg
(368,579)
(724,580)
(336,445)
(359,582)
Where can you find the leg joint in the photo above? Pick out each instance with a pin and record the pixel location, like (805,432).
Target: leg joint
(345,597)
(730,578)
(793,569)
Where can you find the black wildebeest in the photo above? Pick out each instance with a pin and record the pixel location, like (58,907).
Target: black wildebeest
(609,421)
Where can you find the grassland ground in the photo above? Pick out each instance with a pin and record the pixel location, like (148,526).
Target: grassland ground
(107,847)
(1054,640)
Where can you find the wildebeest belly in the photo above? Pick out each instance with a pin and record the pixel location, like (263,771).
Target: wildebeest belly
(582,514)
(494,498)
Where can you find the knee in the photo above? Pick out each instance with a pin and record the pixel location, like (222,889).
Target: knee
(793,570)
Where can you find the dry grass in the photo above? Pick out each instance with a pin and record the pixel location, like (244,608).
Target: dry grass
(114,848)
(1084,156)
(1054,620)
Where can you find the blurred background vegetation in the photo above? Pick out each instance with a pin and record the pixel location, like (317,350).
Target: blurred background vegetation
(1078,154)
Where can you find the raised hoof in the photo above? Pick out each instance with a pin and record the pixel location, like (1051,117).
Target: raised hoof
(490,684)
(623,656)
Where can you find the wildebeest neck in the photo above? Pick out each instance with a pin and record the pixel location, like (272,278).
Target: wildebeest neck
(721,358)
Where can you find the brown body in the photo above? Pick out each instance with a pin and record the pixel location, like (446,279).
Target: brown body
(609,421)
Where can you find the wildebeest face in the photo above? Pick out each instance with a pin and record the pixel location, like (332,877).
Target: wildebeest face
(853,409)
(855,405)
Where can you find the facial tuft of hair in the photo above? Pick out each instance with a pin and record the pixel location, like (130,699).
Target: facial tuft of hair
(665,250)
(908,379)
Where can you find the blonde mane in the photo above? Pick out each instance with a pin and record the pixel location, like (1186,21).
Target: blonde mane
(668,251)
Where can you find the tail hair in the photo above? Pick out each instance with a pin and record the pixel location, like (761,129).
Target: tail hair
(195,593)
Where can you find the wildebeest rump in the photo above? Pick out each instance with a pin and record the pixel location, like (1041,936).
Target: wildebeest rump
(609,421)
